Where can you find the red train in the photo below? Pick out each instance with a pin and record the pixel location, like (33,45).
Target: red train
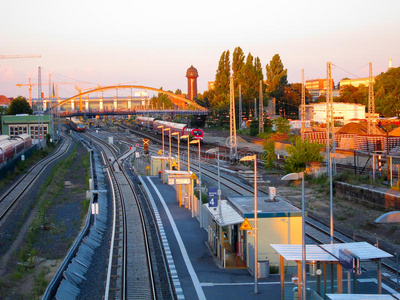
(11,147)
(152,123)
(77,125)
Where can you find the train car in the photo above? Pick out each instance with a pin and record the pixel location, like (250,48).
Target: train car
(195,133)
(145,121)
(11,147)
(77,125)
(26,139)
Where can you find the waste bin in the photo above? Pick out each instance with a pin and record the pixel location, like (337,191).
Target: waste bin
(159,174)
(263,269)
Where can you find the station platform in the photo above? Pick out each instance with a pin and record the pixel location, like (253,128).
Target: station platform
(195,270)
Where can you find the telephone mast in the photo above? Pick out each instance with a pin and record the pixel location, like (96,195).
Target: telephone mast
(330,122)
(41,112)
(303,107)
(261,108)
(371,100)
(232,119)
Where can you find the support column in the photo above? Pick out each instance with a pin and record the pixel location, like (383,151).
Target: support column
(379,276)
(339,278)
(115,103)
(300,285)
(282,270)
(73,104)
(101,103)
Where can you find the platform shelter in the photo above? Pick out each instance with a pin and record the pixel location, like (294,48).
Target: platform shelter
(320,259)
(180,179)
(278,222)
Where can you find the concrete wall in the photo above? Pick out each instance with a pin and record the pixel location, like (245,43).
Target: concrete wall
(386,199)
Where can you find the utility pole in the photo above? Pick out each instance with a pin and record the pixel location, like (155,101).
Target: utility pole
(261,108)
(371,100)
(255,108)
(240,106)
(330,120)
(303,107)
(41,112)
(232,117)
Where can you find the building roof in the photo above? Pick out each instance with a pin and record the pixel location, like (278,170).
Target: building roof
(329,252)
(23,119)
(360,128)
(192,72)
(265,208)
(4,101)
(228,215)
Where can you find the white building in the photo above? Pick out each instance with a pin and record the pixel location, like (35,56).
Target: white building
(342,112)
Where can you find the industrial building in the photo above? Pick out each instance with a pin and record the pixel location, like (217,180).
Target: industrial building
(25,124)
(343,112)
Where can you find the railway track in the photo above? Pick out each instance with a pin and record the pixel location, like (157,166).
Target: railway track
(11,197)
(133,268)
(315,230)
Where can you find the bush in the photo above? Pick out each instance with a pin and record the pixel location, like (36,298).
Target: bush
(301,153)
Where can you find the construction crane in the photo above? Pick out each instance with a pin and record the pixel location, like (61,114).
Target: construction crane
(30,84)
(20,56)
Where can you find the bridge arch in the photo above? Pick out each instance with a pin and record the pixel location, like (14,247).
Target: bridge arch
(102,88)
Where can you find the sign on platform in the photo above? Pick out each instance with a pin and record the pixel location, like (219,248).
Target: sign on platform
(212,197)
(246,225)
(349,260)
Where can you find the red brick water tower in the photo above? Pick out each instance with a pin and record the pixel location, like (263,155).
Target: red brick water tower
(192,75)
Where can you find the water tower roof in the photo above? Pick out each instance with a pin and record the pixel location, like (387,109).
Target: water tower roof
(192,72)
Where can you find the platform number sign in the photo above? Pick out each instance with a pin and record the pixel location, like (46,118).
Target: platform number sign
(212,197)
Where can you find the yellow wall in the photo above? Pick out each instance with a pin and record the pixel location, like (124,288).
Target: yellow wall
(280,230)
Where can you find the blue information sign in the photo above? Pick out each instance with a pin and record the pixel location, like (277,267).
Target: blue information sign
(212,197)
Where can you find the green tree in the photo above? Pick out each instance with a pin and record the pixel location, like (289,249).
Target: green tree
(276,77)
(269,156)
(249,78)
(220,97)
(19,106)
(300,153)
(237,62)
(282,125)
(161,101)
(387,92)
(352,94)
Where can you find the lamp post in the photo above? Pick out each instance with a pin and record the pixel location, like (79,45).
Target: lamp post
(254,158)
(188,158)
(162,132)
(200,193)
(297,176)
(179,159)
(169,153)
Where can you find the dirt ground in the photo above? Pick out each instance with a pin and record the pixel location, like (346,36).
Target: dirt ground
(28,279)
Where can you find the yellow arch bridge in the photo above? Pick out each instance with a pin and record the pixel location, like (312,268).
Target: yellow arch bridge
(178,100)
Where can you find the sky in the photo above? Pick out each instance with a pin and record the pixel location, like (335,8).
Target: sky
(153,43)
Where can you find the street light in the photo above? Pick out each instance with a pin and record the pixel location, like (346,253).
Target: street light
(200,193)
(254,158)
(162,132)
(179,159)
(188,158)
(297,176)
(169,153)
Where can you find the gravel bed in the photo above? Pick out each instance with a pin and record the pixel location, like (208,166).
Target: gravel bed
(21,211)
(93,287)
